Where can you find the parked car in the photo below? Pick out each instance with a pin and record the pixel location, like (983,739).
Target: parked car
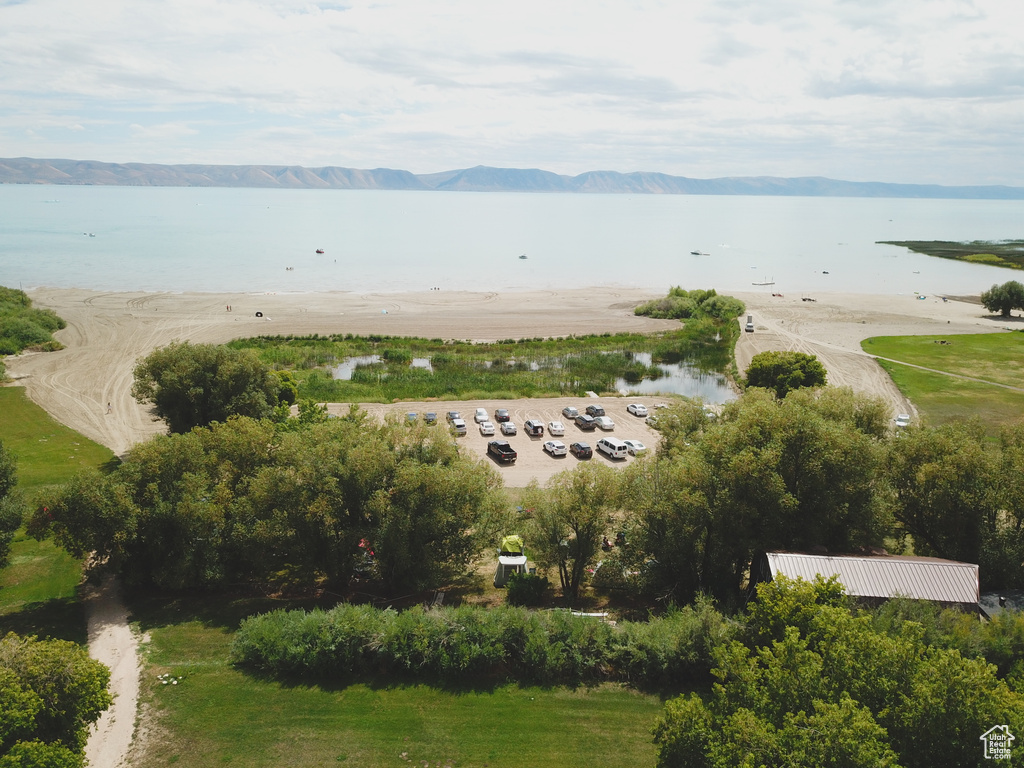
(635,447)
(430,417)
(411,416)
(612,448)
(481,416)
(556,428)
(595,411)
(652,421)
(501,415)
(585,422)
(459,426)
(637,409)
(508,428)
(534,428)
(453,415)
(570,412)
(486,428)
(903,420)
(581,450)
(605,423)
(555,448)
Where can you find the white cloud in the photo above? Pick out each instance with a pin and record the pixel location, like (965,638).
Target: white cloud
(903,90)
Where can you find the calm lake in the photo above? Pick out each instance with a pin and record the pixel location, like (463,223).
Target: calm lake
(257,240)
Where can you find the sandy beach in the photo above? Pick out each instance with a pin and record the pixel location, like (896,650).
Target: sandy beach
(87,385)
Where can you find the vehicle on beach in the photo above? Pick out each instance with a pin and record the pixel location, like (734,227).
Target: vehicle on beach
(481,416)
(459,427)
(556,428)
(637,409)
(581,450)
(411,416)
(534,428)
(501,415)
(556,448)
(585,422)
(749,327)
(430,417)
(635,447)
(508,428)
(903,420)
(595,410)
(605,423)
(570,412)
(486,428)
(453,415)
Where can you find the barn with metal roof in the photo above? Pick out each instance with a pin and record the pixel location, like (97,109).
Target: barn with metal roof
(876,578)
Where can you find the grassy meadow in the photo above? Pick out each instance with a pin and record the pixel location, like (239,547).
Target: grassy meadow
(991,357)
(217,715)
(39,587)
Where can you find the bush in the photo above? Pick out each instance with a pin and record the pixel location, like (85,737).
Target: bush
(447,644)
(526,589)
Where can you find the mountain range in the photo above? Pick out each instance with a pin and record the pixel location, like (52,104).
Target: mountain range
(23,170)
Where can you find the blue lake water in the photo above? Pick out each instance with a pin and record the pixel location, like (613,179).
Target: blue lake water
(209,239)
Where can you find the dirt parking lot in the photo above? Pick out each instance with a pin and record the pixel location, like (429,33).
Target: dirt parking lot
(533,461)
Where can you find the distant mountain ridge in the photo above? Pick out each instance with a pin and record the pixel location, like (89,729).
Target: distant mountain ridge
(23,170)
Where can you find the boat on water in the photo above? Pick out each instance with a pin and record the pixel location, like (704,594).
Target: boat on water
(695,253)
(523,256)
(319,250)
(766,282)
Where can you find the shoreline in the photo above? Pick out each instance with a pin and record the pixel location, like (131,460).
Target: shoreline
(109,331)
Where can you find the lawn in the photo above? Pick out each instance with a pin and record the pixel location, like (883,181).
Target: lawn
(47,451)
(992,357)
(38,588)
(218,715)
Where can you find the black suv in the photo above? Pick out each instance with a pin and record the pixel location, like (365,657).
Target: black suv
(595,411)
(586,422)
(581,450)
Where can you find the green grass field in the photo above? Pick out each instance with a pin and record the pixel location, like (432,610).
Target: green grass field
(218,715)
(991,357)
(47,451)
(38,588)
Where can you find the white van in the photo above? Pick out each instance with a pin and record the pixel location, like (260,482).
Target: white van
(612,448)
(459,426)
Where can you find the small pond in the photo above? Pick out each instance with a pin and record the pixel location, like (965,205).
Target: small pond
(678,378)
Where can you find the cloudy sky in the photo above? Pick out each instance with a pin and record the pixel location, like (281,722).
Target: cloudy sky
(916,91)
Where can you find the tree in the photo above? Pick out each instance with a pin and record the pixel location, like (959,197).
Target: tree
(192,385)
(1003,298)
(797,473)
(11,504)
(249,501)
(50,693)
(944,486)
(783,372)
(570,518)
(817,684)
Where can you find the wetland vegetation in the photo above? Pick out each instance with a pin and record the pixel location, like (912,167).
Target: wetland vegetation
(997,253)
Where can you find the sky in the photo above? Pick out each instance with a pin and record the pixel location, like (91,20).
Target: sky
(908,91)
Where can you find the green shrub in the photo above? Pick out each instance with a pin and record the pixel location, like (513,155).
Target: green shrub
(526,589)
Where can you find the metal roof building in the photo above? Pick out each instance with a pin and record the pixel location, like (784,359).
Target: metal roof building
(879,577)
